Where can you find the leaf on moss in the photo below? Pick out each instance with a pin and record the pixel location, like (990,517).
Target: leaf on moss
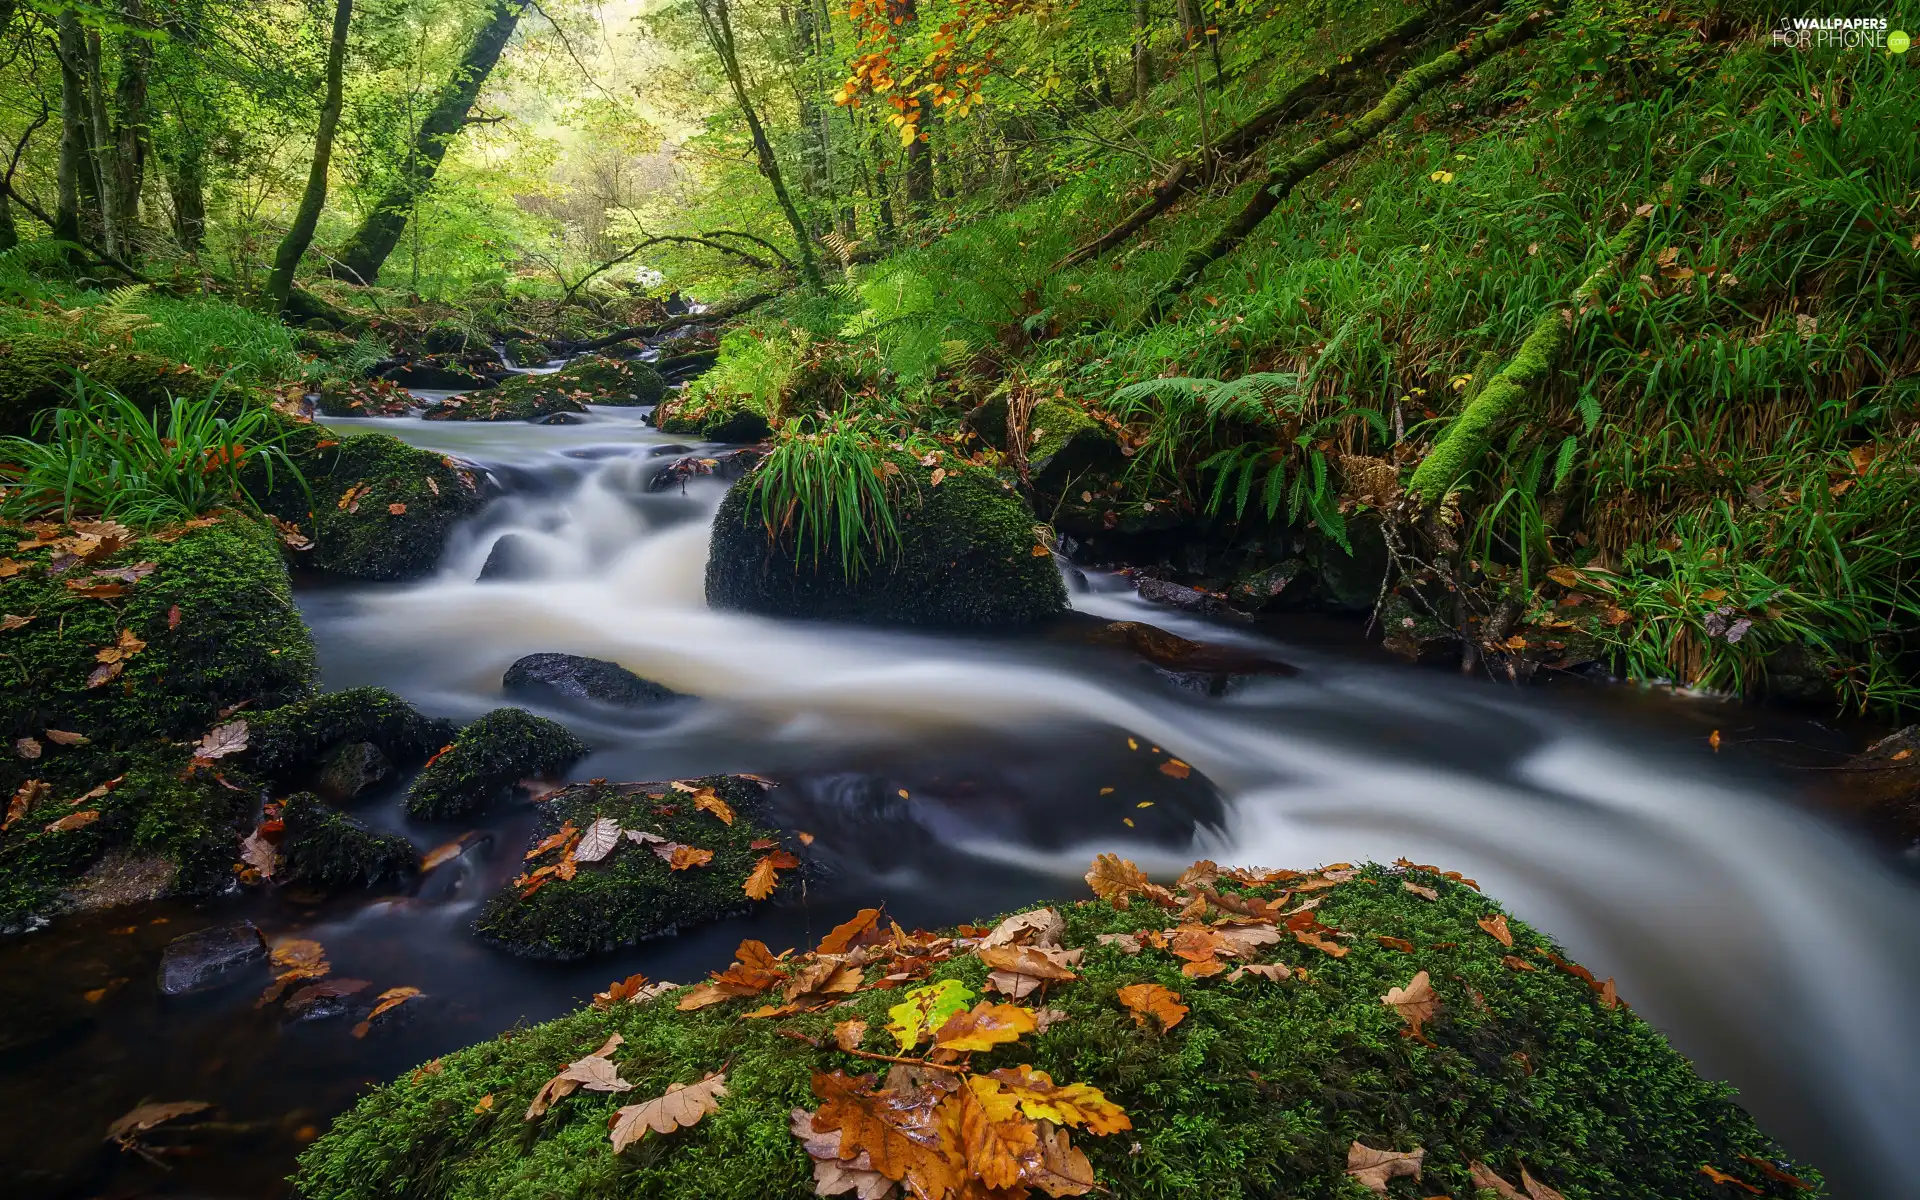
(848,1034)
(685,858)
(73,821)
(1393,943)
(833,1175)
(27,748)
(25,797)
(1077,1104)
(1425,893)
(863,928)
(597,841)
(1276,972)
(1040,962)
(1151,1001)
(1416,1003)
(61,737)
(1375,1167)
(682,1106)
(983,1027)
(1036,927)
(1496,927)
(765,874)
(12,621)
(993,1137)
(1117,881)
(882,1125)
(222,740)
(1126,943)
(925,1009)
(706,801)
(620,991)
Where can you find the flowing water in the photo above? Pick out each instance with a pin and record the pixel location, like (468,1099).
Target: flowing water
(953,776)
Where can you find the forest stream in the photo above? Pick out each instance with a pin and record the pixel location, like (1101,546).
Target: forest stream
(949,776)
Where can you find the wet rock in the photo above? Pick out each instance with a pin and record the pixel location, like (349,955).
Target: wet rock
(559,678)
(211,958)
(351,771)
(329,848)
(444,337)
(1794,674)
(1348,582)
(523,353)
(716,424)
(429,375)
(521,398)
(1255,589)
(380,509)
(1415,634)
(1202,668)
(123,875)
(486,761)
(364,398)
(1187,599)
(676,368)
(729,465)
(1884,781)
(965,560)
(742,426)
(632,894)
(512,557)
(328,1000)
(988,422)
(599,379)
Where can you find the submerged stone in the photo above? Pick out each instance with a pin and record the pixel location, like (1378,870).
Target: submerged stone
(512,557)
(486,761)
(211,958)
(559,678)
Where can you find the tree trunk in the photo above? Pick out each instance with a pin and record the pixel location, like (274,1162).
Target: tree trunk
(74,169)
(919,177)
(186,183)
(717,22)
(300,235)
(9,235)
(1142,53)
(131,133)
(101,140)
(380,232)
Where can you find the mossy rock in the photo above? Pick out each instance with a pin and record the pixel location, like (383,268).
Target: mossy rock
(528,354)
(363,398)
(157,806)
(487,759)
(35,374)
(215,614)
(521,398)
(631,895)
(404,502)
(1258,1091)
(289,743)
(1064,444)
(598,379)
(966,560)
(326,847)
(733,424)
(323,342)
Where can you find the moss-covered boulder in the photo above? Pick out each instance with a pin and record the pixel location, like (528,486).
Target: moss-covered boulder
(381,509)
(966,559)
(363,398)
(1251,1084)
(37,374)
(598,379)
(120,637)
(734,422)
(487,759)
(521,398)
(329,848)
(634,893)
(291,744)
(1065,444)
(524,353)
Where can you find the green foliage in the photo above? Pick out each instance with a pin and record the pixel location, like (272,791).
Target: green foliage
(1258,1092)
(926,1009)
(105,455)
(835,487)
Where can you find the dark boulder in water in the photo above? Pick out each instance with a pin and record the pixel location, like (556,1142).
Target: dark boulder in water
(560,678)
(486,761)
(729,465)
(331,849)
(211,958)
(513,557)
(351,771)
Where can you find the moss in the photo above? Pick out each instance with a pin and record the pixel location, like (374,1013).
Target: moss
(363,398)
(158,806)
(487,758)
(615,381)
(216,615)
(404,503)
(329,848)
(521,398)
(966,561)
(528,354)
(1258,1092)
(632,895)
(288,743)
(738,420)
(35,372)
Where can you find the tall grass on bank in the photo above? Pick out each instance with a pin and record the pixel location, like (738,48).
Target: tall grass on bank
(105,455)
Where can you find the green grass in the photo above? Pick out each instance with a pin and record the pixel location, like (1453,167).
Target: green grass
(104,455)
(832,486)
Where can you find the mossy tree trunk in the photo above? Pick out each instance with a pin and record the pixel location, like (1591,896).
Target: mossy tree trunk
(294,246)
(1460,446)
(70,43)
(1191,173)
(367,250)
(1291,171)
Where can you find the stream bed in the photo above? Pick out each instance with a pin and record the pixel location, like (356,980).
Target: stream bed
(951,777)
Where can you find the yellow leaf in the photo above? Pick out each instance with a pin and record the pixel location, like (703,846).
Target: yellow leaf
(985,1026)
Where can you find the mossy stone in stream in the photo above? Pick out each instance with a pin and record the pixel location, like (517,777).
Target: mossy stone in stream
(524,353)
(598,379)
(520,398)
(487,758)
(329,848)
(1259,1091)
(966,560)
(734,423)
(204,620)
(1065,444)
(632,895)
(289,743)
(381,509)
